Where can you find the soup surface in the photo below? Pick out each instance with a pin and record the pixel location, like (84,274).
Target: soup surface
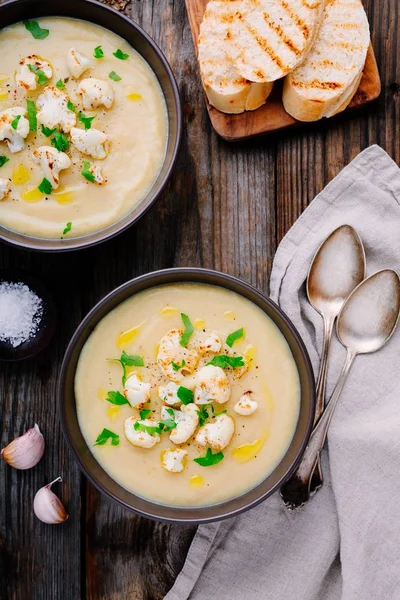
(260,362)
(135,125)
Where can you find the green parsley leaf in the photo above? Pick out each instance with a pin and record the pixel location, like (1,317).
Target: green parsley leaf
(187,334)
(167,424)
(45,187)
(86,172)
(3,160)
(116,398)
(176,367)
(41,77)
(114,76)
(234,337)
(60,84)
(216,414)
(224,361)
(151,430)
(106,435)
(98,52)
(46,131)
(34,28)
(170,412)
(60,141)
(15,121)
(131,360)
(67,227)
(145,413)
(203,414)
(209,459)
(87,121)
(31,115)
(71,106)
(185,395)
(121,55)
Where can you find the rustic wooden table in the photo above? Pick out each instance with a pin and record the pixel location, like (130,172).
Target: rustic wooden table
(226,207)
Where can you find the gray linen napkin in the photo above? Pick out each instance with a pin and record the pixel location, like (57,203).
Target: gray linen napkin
(345,543)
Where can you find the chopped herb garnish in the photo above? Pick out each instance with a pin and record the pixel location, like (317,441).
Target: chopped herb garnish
(145,413)
(216,414)
(31,115)
(224,361)
(170,412)
(129,360)
(71,106)
(67,227)
(167,424)
(34,28)
(15,121)
(87,121)
(98,52)
(185,395)
(3,160)
(209,459)
(114,76)
(86,172)
(41,77)
(121,55)
(106,435)
(45,187)
(116,398)
(60,141)
(46,131)
(176,367)
(151,430)
(60,84)
(187,334)
(234,337)
(203,414)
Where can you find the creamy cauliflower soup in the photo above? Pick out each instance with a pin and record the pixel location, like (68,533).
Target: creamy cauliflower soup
(187,394)
(83,127)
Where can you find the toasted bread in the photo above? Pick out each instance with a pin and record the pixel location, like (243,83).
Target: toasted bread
(326,81)
(226,90)
(272,37)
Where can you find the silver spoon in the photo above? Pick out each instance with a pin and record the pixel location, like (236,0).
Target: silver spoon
(366,322)
(336,269)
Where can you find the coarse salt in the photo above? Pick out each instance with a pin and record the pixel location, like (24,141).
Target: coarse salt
(21,312)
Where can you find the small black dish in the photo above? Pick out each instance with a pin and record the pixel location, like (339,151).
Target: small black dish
(47,325)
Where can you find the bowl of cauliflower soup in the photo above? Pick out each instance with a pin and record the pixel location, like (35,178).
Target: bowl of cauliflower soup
(90,123)
(187,395)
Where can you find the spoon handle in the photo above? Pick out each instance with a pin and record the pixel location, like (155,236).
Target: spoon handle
(323,368)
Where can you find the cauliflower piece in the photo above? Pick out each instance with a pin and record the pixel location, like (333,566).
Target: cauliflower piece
(77,63)
(173,460)
(143,439)
(137,392)
(208,341)
(92,142)
(186,420)
(14,137)
(97,174)
(246,406)
(51,161)
(170,351)
(5,188)
(212,385)
(217,434)
(26,78)
(168,394)
(95,92)
(53,110)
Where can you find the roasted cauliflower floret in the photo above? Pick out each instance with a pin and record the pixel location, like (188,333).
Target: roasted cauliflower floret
(137,392)
(143,439)
(97,173)
(168,394)
(14,128)
(212,385)
(77,63)
(173,460)
(246,406)
(91,142)
(27,74)
(208,341)
(171,354)
(217,434)
(5,188)
(51,161)
(95,93)
(186,420)
(53,110)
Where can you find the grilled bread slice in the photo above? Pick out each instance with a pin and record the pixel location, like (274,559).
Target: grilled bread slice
(272,37)
(326,81)
(226,90)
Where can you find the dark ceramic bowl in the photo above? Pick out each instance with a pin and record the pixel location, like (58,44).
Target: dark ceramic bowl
(96,473)
(100,14)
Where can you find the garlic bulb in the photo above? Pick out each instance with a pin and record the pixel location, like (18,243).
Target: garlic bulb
(47,507)
(25,452)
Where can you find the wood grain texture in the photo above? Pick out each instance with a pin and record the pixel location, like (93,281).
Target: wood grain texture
(272,117)
(226,206)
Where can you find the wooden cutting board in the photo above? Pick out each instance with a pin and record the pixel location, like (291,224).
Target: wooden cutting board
(272,116)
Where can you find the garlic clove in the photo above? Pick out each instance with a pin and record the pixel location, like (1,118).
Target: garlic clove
(48,507)
(25,451)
